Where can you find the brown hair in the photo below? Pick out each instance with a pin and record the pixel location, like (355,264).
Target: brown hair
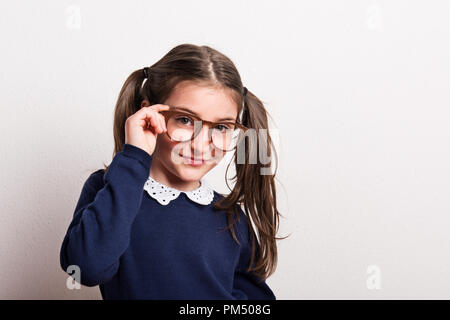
(205,65)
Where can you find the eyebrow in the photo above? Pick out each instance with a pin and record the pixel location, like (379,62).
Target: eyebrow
(197,115)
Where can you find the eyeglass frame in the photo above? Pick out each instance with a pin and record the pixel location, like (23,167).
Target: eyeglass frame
(173,109)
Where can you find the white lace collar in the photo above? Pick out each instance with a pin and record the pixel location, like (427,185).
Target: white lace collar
(164,194)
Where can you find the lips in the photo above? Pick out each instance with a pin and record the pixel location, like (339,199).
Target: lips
(193,161)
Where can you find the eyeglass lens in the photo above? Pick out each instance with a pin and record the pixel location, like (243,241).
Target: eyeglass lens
(183,127)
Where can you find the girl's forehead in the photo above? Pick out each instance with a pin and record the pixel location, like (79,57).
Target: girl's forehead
(219,116)
(205,101)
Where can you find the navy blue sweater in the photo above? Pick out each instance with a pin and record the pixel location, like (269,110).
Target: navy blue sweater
(135,248)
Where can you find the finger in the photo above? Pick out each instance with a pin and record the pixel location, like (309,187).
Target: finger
(154,123)
(160,117)
(144,120)
(165,124)
(159,107)
(146,111)
(158,121)
(160,124)
(147,115)
(161,120)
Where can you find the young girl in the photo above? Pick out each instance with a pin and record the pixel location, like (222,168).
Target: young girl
(148,226)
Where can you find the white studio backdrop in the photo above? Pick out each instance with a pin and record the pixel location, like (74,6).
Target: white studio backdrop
(360,94)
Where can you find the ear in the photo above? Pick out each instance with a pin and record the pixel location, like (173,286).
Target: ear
(145,103)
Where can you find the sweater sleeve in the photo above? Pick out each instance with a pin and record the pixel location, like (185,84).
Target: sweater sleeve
(100,229)
(247,285)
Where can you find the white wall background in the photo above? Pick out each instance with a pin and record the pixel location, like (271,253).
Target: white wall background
(360,93)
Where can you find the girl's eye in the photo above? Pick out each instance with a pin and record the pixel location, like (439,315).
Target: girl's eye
(184,120)
(222,128)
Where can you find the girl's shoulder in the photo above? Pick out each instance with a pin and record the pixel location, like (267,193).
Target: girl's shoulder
(242,223)
(95,179)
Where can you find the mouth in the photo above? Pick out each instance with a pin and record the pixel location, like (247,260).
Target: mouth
(193,161)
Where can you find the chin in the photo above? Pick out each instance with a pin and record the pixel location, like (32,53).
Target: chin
(189,175)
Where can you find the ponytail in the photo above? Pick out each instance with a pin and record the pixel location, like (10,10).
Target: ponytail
(128,103)
(255,190)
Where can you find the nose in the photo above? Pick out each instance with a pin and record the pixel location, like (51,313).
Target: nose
(200,144)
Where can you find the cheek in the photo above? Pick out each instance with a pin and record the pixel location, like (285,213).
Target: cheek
(168,149)
(210,166)
(165,145)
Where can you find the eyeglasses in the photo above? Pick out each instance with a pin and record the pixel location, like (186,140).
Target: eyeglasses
(184,126)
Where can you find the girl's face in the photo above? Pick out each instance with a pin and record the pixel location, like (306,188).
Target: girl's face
(207,103)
